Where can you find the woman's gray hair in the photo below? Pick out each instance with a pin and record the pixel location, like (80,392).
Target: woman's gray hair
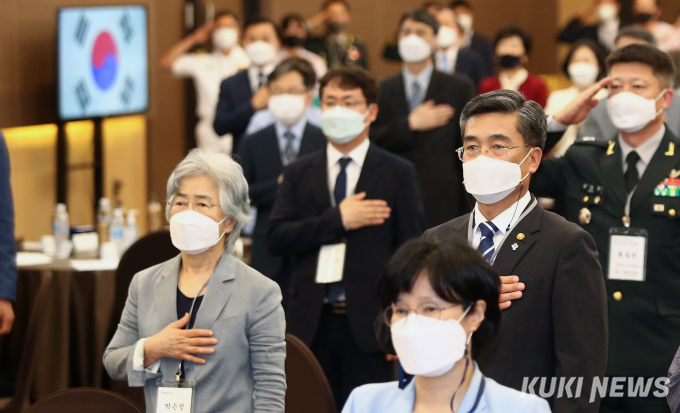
(227,175)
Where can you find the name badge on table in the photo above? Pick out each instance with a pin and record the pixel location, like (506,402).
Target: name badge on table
(331,263)
(175,396)
(627,254)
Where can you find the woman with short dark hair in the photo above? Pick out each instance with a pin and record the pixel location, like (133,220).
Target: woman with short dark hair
(440,308)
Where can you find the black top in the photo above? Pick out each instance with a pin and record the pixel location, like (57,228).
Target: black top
(184,306)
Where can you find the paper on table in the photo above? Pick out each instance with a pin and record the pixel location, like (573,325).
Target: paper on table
(93,265)
(25,259)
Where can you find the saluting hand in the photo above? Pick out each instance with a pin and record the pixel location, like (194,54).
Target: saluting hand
(358,212)
(511,289)
(179,344)
(260,99)
(578,109)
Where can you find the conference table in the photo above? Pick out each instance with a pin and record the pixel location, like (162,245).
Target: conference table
(76,331)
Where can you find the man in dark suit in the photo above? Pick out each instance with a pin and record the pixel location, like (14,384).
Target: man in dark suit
(604,32)
(474,41)
(264,154)
(558,329)
(625,187)
(674,384)
(337,47)
(8,246)
(341,213)
(246,92)
(418,119)
(450,57)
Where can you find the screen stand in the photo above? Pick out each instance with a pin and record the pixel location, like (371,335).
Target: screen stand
(63,166)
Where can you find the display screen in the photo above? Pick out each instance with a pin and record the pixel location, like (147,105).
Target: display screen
(102,61)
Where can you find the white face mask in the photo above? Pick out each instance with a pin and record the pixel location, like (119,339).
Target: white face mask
(446,37)
(583,74)
(430,350)
(490,180)
(413,48)
(194,233)
(630,112)
(261,53)
(224,38)
(465,21)
(606,12)
(342,125)
(287,108)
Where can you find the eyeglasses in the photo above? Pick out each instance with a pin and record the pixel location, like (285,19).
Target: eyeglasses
(427,314)
(274,92)
(471,151)
(181,205)
(349,104)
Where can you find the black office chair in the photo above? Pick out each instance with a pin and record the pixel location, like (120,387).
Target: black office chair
(84,400)
(308,387)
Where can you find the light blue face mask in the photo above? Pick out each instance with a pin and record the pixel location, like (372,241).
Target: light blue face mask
(341,125)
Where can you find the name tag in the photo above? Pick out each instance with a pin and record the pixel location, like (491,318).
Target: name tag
(175,397)
(627,254)
(331,263)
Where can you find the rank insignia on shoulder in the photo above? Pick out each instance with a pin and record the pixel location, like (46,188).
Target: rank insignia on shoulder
(670,187)
(610,149)
(671,149)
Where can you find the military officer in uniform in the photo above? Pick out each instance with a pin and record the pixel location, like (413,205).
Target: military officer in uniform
(625,192)
(337,47)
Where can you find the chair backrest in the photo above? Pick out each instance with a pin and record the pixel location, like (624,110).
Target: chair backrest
(20,401)
(153,249)
(84,400)
(308,388)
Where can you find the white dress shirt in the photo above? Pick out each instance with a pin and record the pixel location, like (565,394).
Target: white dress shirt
(447,65)
(423,78)
(353,169)
(646,151)
(515,82)
(138,359)
(503,221)
(208,70)
(297,130)
(254,75)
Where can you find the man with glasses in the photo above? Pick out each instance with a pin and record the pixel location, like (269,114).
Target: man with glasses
(418,118)
(264,155)
(557,331)
(341,213)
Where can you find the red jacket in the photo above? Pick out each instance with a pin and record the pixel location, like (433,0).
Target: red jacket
(534,88)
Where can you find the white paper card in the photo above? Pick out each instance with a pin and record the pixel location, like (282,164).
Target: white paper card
(171,399)
(86,241)
(331,263)
(627,257)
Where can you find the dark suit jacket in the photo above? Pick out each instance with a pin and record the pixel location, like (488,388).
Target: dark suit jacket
(356,54)
(674,384)
(483,46)
(260,157)
(471,63)
(303,220)
(644,325)
(575,31)
(559,327)
(234,109)
(8,246)
(440,172)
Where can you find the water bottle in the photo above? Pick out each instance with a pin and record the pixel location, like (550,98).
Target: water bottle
(131,231)
(104,220)
(61,226)
(116,233)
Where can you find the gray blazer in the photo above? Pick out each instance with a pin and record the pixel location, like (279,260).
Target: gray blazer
(674,384)
(243,309)
(599,126)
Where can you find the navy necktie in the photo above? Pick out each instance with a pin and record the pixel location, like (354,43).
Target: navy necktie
(631,176)
(340,191)
(289,153)
(486,246)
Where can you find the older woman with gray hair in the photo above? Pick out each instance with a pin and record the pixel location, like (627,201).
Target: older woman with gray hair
(204,319)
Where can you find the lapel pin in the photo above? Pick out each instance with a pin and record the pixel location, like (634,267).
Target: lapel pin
(515,246)
(584,216)
(610,149)
(520,236)
(671,149)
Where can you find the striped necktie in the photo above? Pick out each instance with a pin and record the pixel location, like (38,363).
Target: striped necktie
(486,246)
